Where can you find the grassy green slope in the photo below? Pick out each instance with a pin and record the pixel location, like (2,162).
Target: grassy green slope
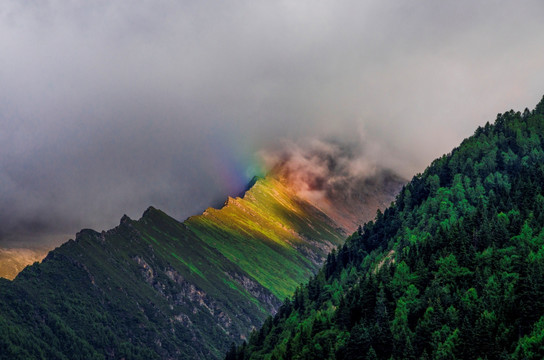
(267,230)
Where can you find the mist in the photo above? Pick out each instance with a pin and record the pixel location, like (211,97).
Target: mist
(107,107)
(318,168)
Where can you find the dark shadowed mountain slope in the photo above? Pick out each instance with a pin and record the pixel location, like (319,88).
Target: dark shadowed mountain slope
(454,269)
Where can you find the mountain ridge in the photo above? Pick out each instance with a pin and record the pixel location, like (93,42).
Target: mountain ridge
(165,288)
(14,260)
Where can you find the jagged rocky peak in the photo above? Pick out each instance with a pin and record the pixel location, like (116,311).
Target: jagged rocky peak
(87,233)
(150,211)
(249,185)
(125,219)
(253,181)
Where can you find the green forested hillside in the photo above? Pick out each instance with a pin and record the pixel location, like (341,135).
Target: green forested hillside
(156,288)
(454,269)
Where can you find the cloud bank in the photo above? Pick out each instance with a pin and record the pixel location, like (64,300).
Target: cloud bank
(348,180)
(318,168)
(107,107)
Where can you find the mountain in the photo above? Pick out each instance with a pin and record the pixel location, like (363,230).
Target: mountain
(158,288)
(349,203)
(269,229)
(14,260)
(454,269)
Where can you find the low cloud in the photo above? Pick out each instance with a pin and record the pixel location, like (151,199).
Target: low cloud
(316,167)
(347,179)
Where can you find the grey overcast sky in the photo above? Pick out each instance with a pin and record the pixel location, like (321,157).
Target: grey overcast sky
(109,106)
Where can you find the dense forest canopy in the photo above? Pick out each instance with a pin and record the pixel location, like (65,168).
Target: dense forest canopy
(453,269)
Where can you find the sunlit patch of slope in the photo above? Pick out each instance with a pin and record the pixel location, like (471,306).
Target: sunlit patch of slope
(13,260)
(276,237)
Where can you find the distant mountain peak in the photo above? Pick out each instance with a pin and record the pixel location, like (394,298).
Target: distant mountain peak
(87,233)
(229,200)
(249,185)
(125,219)
(254,180)
(150,211)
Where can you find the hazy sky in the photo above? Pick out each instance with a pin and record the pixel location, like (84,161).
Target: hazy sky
(109,106)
